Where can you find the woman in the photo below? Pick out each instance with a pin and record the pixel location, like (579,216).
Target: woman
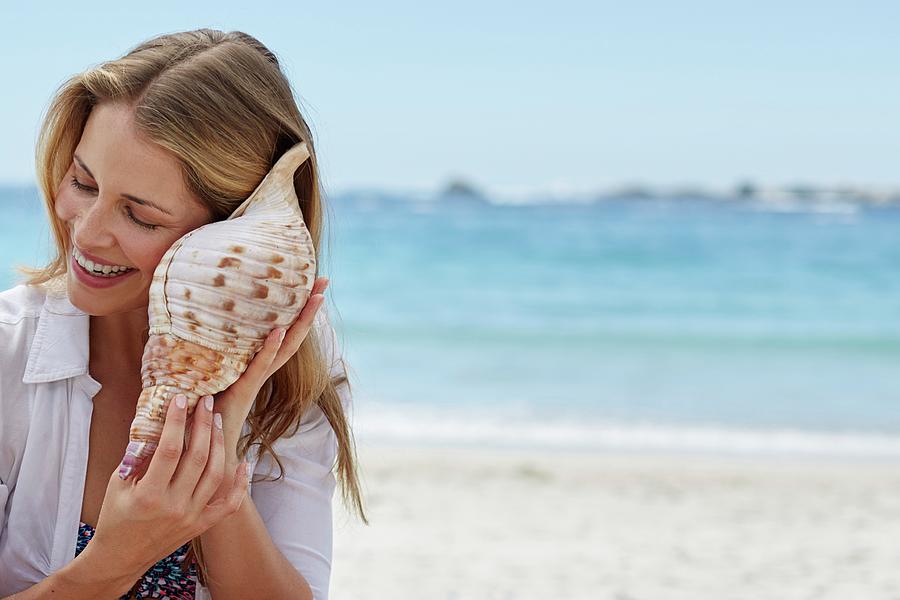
(133,154)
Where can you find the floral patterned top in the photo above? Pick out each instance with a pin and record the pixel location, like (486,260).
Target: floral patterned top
(165,579)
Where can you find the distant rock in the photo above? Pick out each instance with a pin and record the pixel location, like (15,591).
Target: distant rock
(746,190)
(634,192)
(458,190)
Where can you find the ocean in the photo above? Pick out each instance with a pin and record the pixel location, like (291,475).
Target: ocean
(676,325)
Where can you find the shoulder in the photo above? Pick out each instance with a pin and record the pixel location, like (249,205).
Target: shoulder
(313,445)
(21,302)
(20,311)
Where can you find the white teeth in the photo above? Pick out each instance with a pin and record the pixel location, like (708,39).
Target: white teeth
(97,269)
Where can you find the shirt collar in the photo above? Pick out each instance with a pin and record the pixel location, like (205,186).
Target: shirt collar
(61,344)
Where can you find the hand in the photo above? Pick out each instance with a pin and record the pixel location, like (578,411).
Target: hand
(235,402)
(144,519)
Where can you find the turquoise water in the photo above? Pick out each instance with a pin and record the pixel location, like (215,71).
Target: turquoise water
(688,324)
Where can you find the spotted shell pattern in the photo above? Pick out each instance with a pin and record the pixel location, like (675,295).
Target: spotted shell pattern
(215,296)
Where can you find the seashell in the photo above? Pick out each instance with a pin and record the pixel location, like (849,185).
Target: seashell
(215,296)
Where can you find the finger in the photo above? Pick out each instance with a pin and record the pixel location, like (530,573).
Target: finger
(192,464)
(313,302)
(300,329)
(214,473)
(317,292)
(255,375)
(320,285)
(307,315)
(188,430)
(297,333)
(280,344)
(168,453)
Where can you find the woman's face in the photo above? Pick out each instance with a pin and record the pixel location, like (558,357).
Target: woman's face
(124,203)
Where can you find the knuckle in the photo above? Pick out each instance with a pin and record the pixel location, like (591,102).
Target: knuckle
(216,475)
(198,458)
(176,417)
(208,517)
(169,451)
(206,419)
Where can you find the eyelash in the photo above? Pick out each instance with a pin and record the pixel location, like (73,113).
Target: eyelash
(84,188)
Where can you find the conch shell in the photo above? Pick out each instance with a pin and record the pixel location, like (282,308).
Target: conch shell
(216,294)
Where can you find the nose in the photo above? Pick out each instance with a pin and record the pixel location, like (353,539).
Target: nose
(90,228)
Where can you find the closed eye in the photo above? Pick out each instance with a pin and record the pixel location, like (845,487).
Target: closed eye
(137,221)
(88,189)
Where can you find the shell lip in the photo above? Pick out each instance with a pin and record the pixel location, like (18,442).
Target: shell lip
(167,257)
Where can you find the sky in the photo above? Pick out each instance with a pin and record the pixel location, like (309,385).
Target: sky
(527,97)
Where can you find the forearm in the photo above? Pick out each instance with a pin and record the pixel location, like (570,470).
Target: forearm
(81,579)
(243,561)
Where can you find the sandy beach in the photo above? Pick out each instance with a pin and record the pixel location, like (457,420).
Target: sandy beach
(461,523)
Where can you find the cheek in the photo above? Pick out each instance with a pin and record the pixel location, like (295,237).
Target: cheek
(146,256)
(65,206)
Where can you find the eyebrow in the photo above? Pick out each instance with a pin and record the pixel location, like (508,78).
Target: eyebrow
(129,196)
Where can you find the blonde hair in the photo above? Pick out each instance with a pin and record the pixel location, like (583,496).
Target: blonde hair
(221,105)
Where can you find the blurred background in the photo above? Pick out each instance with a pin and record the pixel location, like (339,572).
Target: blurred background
(600,272)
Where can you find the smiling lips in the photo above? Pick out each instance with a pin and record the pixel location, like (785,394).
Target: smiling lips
(97,275)
(98,269)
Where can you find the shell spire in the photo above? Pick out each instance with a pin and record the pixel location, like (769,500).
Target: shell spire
(281,174)
(216,294)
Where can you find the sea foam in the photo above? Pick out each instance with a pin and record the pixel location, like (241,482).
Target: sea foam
(381,422)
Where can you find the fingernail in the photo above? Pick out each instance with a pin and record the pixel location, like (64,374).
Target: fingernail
(208,402)
(281,333)
(218,419)
(180,401)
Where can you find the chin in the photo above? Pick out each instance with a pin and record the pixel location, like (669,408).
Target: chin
(103,302)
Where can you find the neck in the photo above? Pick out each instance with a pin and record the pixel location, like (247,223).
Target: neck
(118,340)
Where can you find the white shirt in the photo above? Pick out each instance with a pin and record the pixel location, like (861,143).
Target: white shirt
(46,401)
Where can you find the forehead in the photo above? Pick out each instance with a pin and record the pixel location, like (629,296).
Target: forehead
(123,161)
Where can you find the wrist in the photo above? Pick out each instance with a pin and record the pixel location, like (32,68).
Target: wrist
(231,453)
(103,577)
